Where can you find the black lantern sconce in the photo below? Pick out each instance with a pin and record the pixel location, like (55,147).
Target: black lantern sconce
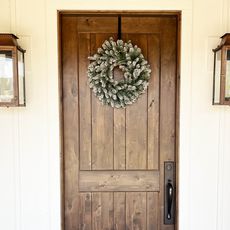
(12,72)
(221,75)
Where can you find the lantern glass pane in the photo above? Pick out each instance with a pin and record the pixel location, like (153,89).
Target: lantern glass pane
(21,78)
(227,84)
(217,77)
(6,76)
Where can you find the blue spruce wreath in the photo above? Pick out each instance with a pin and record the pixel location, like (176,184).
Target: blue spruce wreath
(130,60)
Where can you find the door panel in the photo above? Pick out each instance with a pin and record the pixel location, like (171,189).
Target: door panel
(119,181)
(114,158)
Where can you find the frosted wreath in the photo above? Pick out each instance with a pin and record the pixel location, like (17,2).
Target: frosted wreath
(130,60)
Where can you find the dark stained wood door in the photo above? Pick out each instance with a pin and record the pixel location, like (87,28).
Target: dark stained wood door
(113,172)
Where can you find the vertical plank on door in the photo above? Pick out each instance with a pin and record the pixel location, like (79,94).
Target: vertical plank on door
(168,91)
(136,120)
(70,121)
(102,126)
(119,210)
(152,211)
(102,210)
(119,130)
(119,139)
(167,104)
(153,101)
(136,210)
(85,211)
(84,102)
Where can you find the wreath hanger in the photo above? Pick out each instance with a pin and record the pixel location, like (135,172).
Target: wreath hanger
(119,28)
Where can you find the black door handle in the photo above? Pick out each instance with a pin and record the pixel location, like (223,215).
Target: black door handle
(169,191)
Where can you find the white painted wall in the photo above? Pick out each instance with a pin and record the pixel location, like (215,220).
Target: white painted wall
(29,137)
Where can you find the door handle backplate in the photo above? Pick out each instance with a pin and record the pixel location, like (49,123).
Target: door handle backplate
(169,193)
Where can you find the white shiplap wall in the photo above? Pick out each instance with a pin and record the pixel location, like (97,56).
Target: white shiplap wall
(29,137)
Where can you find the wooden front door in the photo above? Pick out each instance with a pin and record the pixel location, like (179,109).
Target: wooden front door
(114,160)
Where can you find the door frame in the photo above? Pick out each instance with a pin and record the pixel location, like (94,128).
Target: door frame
(151,13)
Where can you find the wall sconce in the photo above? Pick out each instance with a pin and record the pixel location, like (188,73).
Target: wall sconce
(221,75)
(12,72)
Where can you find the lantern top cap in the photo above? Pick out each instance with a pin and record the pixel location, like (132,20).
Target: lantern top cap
(226,34)
(7,39)
(225,41)
(9,35)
